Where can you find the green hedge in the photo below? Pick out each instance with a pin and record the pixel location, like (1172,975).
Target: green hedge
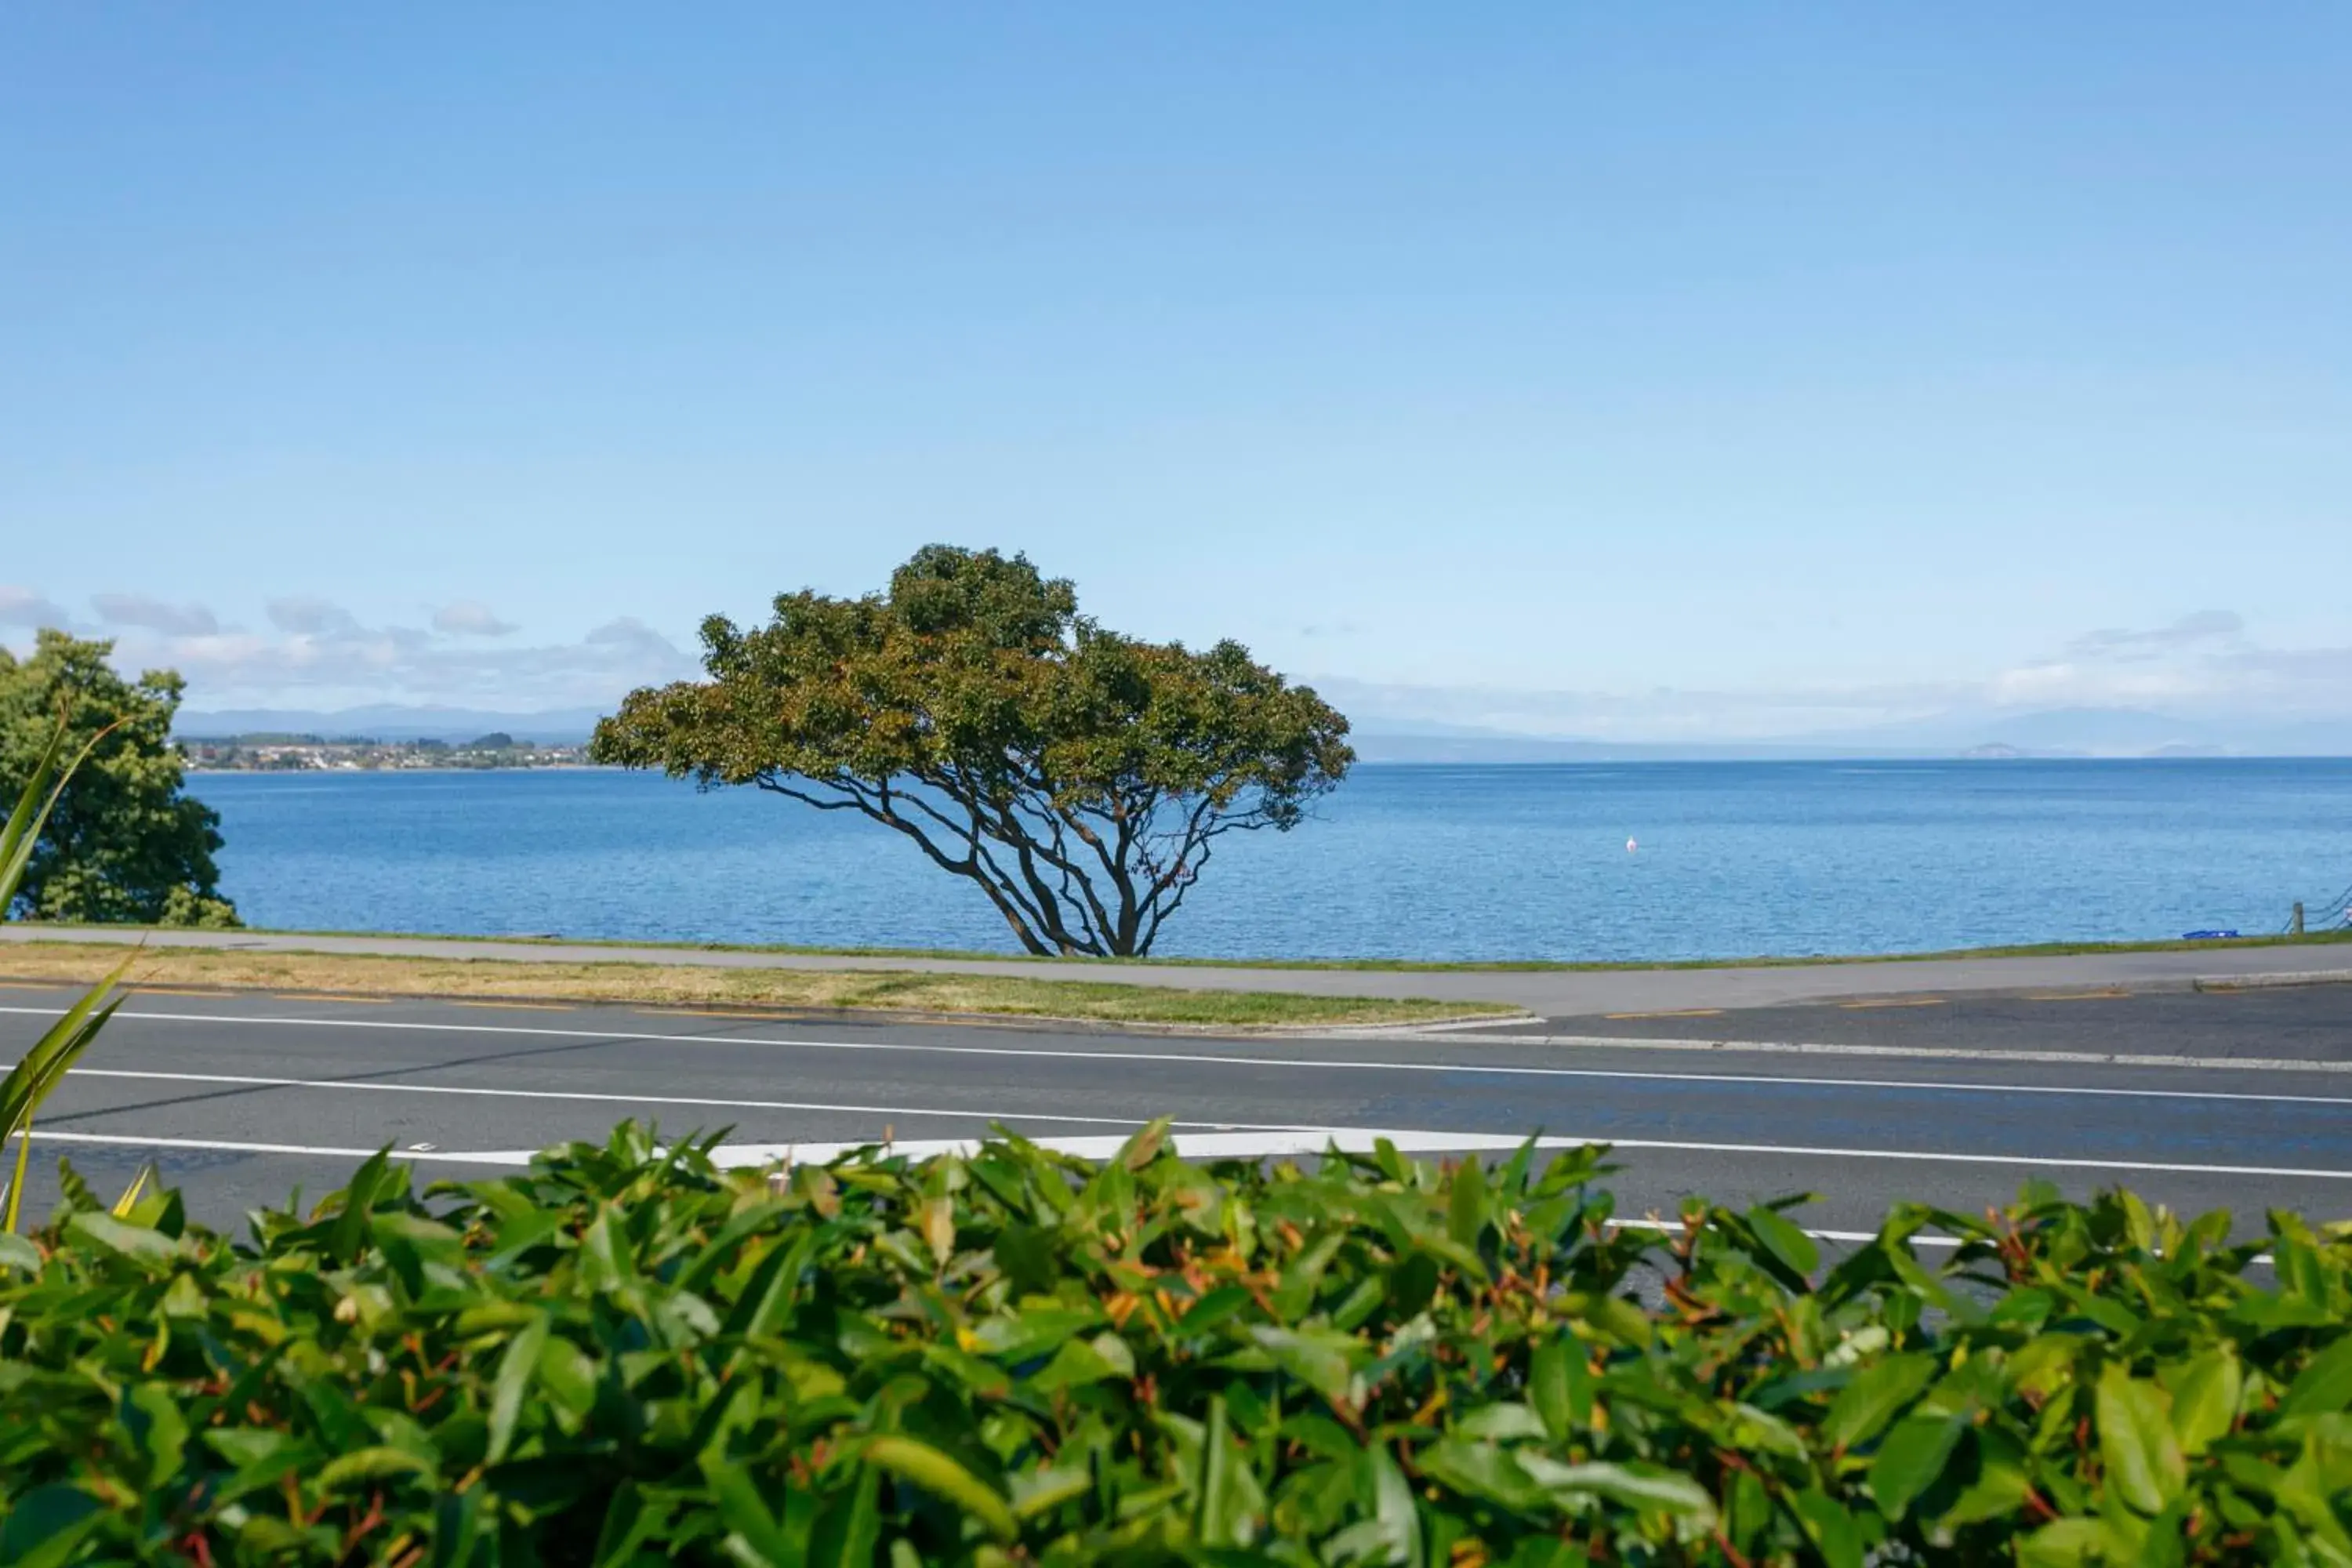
(628,1355)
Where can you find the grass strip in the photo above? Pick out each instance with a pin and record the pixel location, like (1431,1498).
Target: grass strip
(2332,937)
(903,991)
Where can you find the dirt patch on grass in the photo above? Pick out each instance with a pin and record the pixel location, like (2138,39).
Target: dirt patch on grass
(901,991)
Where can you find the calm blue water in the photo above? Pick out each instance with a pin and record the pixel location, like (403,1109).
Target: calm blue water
(1431,861)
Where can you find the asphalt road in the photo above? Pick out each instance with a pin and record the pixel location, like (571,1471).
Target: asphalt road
(2303,1022)
(242,1098)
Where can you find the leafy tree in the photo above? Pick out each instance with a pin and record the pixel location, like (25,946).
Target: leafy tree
(124,844)
(1080,778)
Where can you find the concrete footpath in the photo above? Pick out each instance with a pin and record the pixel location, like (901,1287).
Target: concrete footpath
(1552,994)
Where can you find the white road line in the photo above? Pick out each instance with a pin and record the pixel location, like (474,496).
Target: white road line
(228,1146)
(1321,1063)
(1199,1146)
(255,1082)
(807,1152)
(1312,1140)
(1915,1053)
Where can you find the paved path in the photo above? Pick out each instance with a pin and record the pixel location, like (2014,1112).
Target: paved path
(242,1098)
(1546,992)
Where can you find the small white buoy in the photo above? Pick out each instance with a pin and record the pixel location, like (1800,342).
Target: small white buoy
(1630,846)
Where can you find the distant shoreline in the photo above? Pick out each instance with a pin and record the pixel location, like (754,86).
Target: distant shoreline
(197,769)
(273,752)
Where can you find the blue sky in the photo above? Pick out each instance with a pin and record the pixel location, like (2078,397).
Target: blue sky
(1656,370)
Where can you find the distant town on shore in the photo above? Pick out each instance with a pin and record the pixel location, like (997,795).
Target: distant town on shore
(272,753)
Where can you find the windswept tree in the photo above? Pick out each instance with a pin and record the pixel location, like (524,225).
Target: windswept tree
(1080,778)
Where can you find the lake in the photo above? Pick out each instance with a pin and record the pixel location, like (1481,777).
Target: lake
(1443,862)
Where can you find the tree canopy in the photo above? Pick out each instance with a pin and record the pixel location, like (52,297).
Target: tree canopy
(125,844)
(1080,777)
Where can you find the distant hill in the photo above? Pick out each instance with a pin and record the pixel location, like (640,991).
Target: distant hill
(2099,732)
(390,722)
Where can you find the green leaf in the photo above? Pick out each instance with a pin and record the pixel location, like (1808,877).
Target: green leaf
(1648,1488)
(1501,1423)
(1042,1491)
(2144,1461)
(567,1374)
(46,1526)
(457,1525)
(1144,1147)
(1077,1363)
(1466,1208)
(628,1524)
(1319,1360)
(755,1538)
(245,1447)
(365,1465)
(2064,1543)
(1480,1470)
(1829,1527)
(136,1242)
(927,1468)
(152,1413)
(1227,1500)
(515,1372)
(1383,1490)
(1033,1331)
(2324,1383)
(1029,1257)
(1911,1459)
(1560,1386)
(2205,1395)
(849,1524)
(1789,1246)
(1866,1404)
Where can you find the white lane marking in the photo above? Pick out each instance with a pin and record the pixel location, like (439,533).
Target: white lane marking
(1360,1139)
(807,1152)
(249,1080)
(1201,1146)
(1211,1059)
(1913,1053)
(1314,1140)
(228,1146)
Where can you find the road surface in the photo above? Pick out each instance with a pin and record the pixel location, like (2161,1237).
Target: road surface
(240,1098)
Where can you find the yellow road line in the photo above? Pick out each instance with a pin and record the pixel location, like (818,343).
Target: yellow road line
(1682,1013)
(2075,995)
(524,1006)
(1895,1002)
(327,996)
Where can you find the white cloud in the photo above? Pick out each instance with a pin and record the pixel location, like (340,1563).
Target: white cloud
(2204,666)
(2189,631)
(154,614)
(630,635)
(320,655)
(470,617)
(307,615)
(24,607)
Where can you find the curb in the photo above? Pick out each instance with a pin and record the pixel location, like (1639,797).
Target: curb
(2265,982)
